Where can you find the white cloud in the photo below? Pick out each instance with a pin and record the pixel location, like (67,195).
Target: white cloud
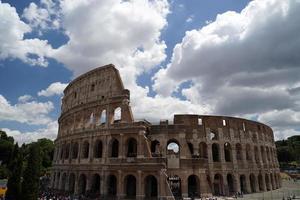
(32,112)
(25,98)
(12,42)
(56,88)
(241,64)
(190,19)
(50,132)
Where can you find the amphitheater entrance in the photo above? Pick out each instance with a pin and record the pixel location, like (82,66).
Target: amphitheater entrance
(95,189)
(218,183)
(230,184)
(72,183)
(130,187)
(175,185)
(111,186)
(82,184)
(243,183)
(252,182)
(114,148)
(193,186)
(151,187)
(63,182)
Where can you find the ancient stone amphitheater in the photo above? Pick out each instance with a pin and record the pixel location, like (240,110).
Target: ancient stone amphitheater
(102,152)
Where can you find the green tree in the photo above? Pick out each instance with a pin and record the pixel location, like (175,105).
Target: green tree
(30,184)
(47,151)
(14,181)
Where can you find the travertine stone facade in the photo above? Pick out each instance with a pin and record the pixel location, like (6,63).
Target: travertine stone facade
(101,151)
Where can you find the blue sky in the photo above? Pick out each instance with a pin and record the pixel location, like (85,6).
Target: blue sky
(236,58)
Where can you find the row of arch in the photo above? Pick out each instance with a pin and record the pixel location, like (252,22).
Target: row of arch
(80,185)
(256,153)
(220,185)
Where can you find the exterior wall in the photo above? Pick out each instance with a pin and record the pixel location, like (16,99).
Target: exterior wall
(140,157)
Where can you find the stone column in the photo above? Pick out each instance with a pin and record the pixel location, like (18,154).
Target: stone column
(88,182)
(103,183)
(164,190)
(222,155)
(237,183)
(264,186)
(204,187)
(140,193)
(79,152)
(184,188)
(120,184)
(256,183)
(248,186)
(76,184)
(122,149)
(140,147)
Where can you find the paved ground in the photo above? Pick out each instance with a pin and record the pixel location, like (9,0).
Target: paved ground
(288,188)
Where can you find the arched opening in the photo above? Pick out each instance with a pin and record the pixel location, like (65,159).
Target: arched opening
(239,155)
(214,135)
(57,181)
(63,182)
(92,118)
(150,187)
(193,186)
(82,184)
(114,153)
(111,185)
(256,156)
(243,183)
(218,183)
(85,149)
(98,149)
(230,184)
(71,183)
(216,152)
(75,150)
(203,150)
(117,115)
(260,183)
(130,186)
(267,180)
(67,151)
(272,182)
(155,148)
(131,147)
(175,185)
(263,155)
(95,189)
(103,117)
(191,148)
(268,154)
(227,152)
(252,183)
(248,152)
(173,147)
(61,153)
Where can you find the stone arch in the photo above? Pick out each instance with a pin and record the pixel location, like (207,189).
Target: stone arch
(267,180)
(75,150)
(218,185)
(243,184)
(72,183)
(193,186)
(111,185)
(260,183)
(203,150)
(155,148)
(67,151)
(256,154)
(98,149)
(252,179)
(95,187)
(239,154)
(130,186)
(103,117)
(85,149)
(227,152)
(263,155)
(173,145)
(216,152)
(151,187)
(248,152)
(82,184)
(63,182)
(117,114)
(131,146)
(114,148)
(230,184)
(175,185)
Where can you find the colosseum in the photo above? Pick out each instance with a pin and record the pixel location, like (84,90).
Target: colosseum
(101,151)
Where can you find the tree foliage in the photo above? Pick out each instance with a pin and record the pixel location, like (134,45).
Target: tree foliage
(289,150)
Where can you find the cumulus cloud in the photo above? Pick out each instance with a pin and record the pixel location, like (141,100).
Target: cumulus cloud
(25,98)
(50,132)
(12,42)
(241,64)
(29,112)
(56,88)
